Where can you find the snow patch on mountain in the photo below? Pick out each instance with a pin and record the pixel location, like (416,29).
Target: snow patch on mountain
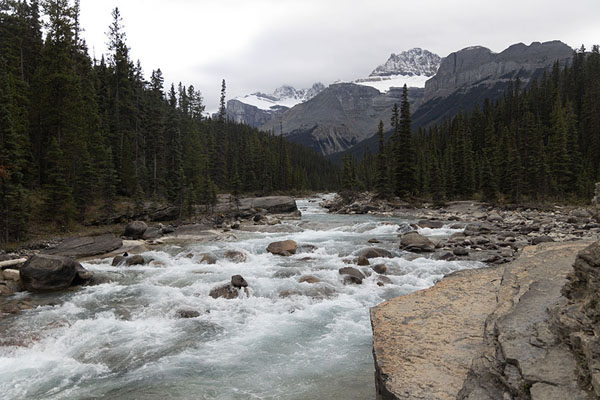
(284,96)
(385,83)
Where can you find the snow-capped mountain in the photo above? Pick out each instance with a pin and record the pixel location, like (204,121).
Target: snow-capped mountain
(413,62)
(284,96)
(413,68)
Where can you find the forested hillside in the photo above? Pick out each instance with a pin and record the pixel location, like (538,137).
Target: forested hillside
(76,133)
(538,144)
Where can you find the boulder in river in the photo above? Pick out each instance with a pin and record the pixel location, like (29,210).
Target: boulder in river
(135,260)
(235,256)
(208,258)
(362,261)
(187,313)
(136,229)
(375,252)
(380,268)
(45,273)
(352,275)
(417,243)
(227,291)
(284,248)
(309,279)
(238,281)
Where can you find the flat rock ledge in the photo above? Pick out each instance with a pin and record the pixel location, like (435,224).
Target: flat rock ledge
(481,334)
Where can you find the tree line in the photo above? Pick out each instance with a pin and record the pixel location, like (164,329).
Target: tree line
(537,143)
(77,134)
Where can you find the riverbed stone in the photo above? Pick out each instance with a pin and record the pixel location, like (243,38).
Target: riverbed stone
(432,224)
(236,256)
(185,313)
(309,279)
(227,291)
(136,259)
(362,261)
(351,275)
(416,243)
(375,252)
(283,248)
(380,268)
(208,258)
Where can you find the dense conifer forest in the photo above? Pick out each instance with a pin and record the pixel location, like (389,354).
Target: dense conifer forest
(541,143)
(78,133)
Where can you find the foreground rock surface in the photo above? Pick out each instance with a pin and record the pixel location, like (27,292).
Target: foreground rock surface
(480,334)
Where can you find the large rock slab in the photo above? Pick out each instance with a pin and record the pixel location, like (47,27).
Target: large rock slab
(284,248)
(273,205)
(423,343)
(87,246)
(417,243)
(47,273)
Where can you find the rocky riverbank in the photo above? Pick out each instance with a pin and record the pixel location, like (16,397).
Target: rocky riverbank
(493,235)
(56,260)
(496,333)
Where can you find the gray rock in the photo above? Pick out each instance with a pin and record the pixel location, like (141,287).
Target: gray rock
(416,243)
(383,280)
(309,279)
(45,273)
(362,261)
(236,256)
(88,246)
(207,258)
(460,251)
(374,252)
(380,268)
(187,313)
(118,260)
(152,233)
(227,291)
(238,281)
(136,229)
(135,260)
(284,248)
(426,223)
(351,275)
(541,239)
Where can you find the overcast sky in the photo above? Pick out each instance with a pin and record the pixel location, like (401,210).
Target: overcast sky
(258,45)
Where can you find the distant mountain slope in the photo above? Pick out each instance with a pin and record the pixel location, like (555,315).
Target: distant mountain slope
(467,77)
(258,108)
(339,117)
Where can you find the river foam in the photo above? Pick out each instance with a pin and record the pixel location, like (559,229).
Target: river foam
(285,340)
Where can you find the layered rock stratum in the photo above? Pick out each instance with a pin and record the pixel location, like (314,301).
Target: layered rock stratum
(496,333)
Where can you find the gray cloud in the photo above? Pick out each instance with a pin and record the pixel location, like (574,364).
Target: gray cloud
(259,45)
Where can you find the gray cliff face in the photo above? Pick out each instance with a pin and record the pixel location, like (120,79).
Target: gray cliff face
(251,115)
(479,65)
(338,117)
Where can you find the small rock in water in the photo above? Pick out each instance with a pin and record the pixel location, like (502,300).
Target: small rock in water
(227,291)
(413,241)
(351,275)
(375,252)
(309,279)
(187,313)
(374,241)
(235,256)
(284,248)
(135,260)
(380,268)
(427,223)
(238,281)
(362,261)
(383,280)
(208,258)
(118,260)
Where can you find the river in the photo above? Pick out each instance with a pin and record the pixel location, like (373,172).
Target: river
(286,340)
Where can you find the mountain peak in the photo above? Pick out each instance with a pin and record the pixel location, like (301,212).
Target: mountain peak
(413,62)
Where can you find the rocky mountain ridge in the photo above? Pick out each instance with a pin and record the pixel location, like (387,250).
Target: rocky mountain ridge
(415,61)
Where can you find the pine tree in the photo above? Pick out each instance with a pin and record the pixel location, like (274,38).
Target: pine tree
(222,106)
(404,172)
(382,179)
